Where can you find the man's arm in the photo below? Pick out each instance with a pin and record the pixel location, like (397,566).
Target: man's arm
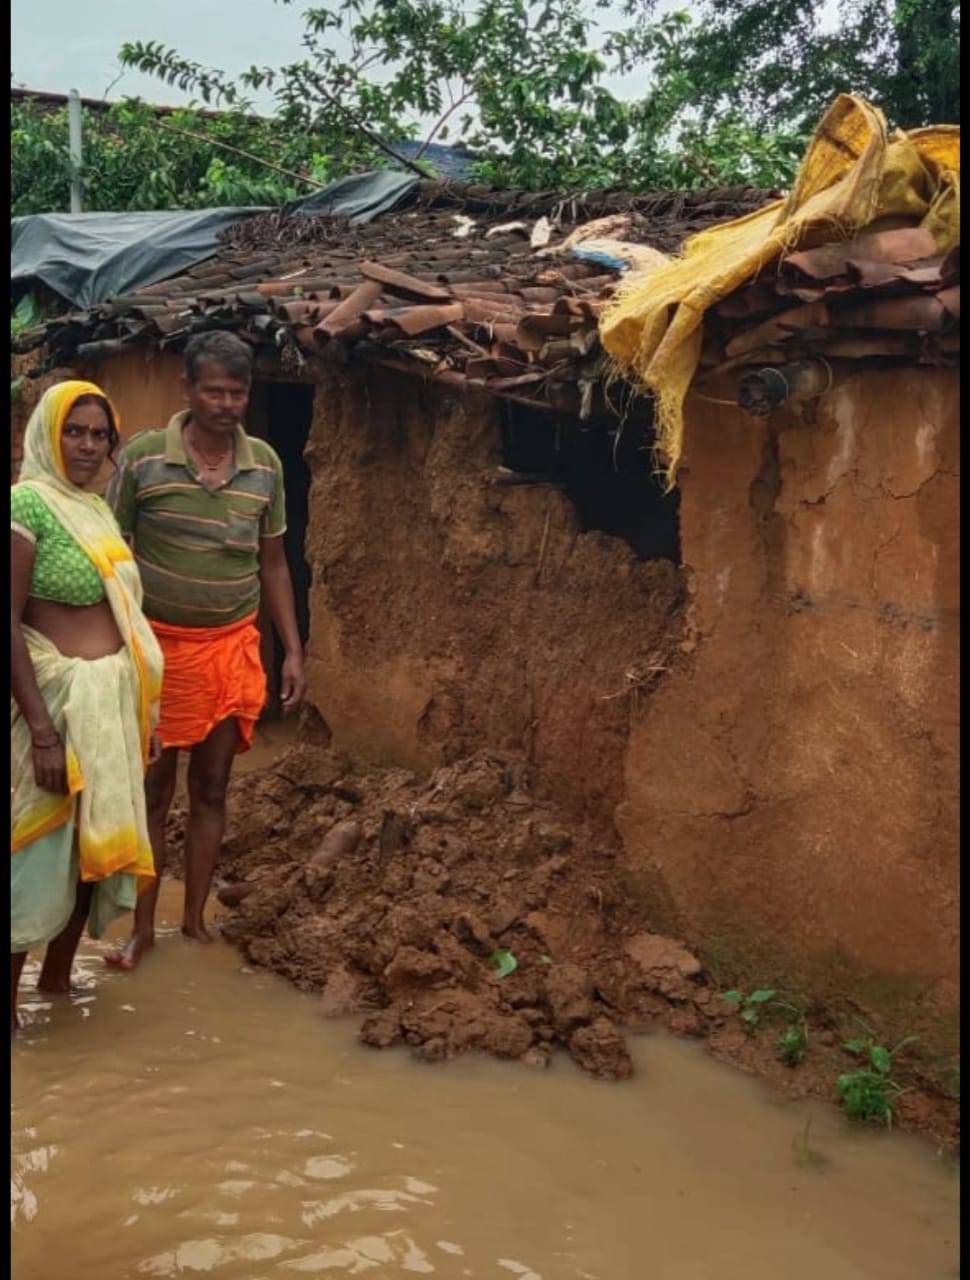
(122,497)
(277,589)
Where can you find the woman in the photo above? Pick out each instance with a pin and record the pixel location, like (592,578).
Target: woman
(85,677)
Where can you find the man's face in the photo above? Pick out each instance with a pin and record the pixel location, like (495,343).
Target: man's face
(217,399)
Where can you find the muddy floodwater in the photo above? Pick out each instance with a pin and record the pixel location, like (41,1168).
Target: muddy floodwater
(198,1119)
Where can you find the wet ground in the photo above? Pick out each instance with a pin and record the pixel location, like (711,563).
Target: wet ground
(198,1119)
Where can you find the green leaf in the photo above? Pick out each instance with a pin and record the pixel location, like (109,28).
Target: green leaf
(730,93)
(854,1046)
(503,962)
(792,1044)
(732,997)
(750,1016)
(880,1059)
(762,997)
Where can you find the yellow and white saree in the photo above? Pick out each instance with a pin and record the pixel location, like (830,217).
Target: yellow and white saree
(104,709)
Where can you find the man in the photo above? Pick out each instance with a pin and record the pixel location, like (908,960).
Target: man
(203,506)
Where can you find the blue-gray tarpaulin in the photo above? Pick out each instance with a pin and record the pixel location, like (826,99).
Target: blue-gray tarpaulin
(88,257)
(360,197)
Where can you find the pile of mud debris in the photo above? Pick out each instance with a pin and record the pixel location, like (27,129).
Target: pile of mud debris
(461,912)
(409,901)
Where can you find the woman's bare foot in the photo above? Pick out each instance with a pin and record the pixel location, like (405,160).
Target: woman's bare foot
(196,932)
(127,957)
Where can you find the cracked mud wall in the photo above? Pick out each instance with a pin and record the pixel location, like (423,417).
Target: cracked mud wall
(791,796)
(779,757)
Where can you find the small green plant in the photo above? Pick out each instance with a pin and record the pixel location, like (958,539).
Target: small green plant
(869,1094)
(752,1006)
(503,963)
(793,1043)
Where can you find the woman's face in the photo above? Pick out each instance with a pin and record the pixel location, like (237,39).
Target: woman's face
(85,441)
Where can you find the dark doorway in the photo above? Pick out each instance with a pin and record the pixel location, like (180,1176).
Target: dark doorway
(280,414)
(606,467)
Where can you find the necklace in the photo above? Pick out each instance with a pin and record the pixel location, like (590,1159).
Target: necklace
(207,464)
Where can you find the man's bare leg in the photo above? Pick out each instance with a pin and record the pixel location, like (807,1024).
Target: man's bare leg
(210,765)
(55,973)
(17,959)
(159,792)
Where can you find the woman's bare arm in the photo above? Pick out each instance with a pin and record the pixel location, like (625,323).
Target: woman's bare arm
(50,767)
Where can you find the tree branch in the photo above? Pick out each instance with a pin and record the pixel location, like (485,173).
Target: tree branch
(362,128)
(454,107)
(213,142)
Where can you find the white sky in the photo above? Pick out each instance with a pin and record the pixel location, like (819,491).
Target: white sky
(59,45)
(229,34)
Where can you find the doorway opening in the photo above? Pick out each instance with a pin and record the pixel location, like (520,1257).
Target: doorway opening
(281,413)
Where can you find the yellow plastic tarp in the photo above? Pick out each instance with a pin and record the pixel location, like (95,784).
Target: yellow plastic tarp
(853,176)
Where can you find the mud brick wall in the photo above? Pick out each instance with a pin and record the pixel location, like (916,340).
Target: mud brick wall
(144,386)
(30,391)
(792,793)
(785,788)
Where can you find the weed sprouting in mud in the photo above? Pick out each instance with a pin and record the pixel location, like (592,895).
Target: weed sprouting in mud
(792,1043)
(805,1153)
(869,1094)
(503,962)
(750,1007)
(766,1004)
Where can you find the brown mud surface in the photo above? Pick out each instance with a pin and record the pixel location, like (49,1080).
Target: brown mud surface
(389,895)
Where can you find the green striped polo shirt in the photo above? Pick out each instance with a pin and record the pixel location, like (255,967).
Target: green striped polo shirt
(197,550)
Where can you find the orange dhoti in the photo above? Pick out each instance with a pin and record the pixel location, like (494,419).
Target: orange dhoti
(211,675)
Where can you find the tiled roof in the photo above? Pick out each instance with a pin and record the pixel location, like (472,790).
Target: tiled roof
(889,295)
(459,285)
(450,286)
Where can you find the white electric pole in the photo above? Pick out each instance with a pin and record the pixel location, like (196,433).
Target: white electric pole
(74,146)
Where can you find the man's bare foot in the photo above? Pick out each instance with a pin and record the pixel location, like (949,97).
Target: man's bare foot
(127,957)
(196,932)
(56,986)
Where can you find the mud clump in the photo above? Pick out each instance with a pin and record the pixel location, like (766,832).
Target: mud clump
(454,913)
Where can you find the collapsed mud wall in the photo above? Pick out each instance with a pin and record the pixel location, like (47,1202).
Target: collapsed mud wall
(779,758)
(448,614)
